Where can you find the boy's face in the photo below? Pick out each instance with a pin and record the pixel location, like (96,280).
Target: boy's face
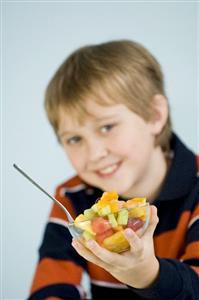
(113,149)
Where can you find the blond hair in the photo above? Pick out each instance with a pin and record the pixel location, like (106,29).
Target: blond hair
(113,72)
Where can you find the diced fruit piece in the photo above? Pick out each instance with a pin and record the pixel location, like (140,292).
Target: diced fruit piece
(89,213)
(80,218)
(118,228)
(95,207)
(87,235)
(112,220)
(101,236)
(143,218)
(85,225)
(135,223)
(137,212)
(100,225)
(107,196)
(134,202)
(122,218)
(116,242)
(104,211)
(106,220)
(114,205)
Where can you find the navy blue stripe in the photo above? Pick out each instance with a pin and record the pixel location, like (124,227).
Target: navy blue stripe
(82,200)
(180,178)
(169,212)
(193,233)
(99,293)
(66,292)
(192,262)
(57,245)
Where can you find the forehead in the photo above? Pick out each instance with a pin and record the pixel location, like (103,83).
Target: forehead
(92,112)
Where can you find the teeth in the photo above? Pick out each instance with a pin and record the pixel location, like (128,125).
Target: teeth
(108,170)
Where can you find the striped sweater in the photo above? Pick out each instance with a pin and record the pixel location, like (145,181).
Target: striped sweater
(59,271)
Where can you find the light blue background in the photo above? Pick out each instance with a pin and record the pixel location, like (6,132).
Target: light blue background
(36,37)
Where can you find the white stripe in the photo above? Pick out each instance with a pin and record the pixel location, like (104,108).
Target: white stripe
(73,189)
(193,221)
(81,291)
(109,284)
(58,221)
(82,288)
(85,284)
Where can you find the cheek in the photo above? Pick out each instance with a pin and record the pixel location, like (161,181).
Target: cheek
(135,146)
(77,160)
(124,145)
(120,144)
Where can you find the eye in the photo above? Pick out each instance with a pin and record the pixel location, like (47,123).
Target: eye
(107,128)
(73,140)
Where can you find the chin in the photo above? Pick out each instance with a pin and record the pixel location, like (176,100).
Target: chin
(121,189)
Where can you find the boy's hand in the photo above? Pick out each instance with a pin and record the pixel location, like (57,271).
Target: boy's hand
(137,267)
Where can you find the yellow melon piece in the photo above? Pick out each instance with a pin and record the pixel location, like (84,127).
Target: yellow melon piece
(85,225)
(134,202)
(116,242)
(80,218)
(138,212)
(118,228)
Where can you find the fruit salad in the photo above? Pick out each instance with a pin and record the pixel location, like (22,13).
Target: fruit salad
(106,220)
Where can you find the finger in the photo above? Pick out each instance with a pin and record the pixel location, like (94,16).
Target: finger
(103,254)
(152,222)
(136,245)
(87,254)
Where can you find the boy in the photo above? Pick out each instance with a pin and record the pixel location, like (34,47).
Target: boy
(109,110)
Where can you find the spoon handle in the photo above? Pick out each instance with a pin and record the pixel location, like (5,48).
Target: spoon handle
(70,218)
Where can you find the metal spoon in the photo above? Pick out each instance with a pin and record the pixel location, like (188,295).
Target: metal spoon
(73,230)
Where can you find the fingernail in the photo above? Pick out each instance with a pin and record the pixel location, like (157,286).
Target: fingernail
(129,232)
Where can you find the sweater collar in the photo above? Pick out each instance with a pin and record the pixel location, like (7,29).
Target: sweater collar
(182,173)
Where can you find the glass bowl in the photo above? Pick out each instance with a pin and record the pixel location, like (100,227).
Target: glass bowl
(108,229)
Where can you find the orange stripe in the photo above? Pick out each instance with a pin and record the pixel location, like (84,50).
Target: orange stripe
(192,251)
(57,212)
(72,182)
(196,269)
(97,273)
(170,244)
(197,159)
(50,271)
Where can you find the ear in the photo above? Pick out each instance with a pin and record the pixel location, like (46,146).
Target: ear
(160,114)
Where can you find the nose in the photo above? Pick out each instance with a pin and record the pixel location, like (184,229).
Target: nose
(96,149)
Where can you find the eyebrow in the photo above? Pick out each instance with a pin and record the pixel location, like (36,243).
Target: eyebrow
(97,119)
(65,133)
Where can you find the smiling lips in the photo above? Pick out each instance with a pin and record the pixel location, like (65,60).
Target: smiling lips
(108,171)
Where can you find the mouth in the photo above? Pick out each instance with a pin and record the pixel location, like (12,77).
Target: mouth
(109,170)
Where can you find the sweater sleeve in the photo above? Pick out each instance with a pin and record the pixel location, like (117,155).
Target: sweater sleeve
(60,269)
(178,279)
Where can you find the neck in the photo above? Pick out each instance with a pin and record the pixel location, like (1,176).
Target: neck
(151,183)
